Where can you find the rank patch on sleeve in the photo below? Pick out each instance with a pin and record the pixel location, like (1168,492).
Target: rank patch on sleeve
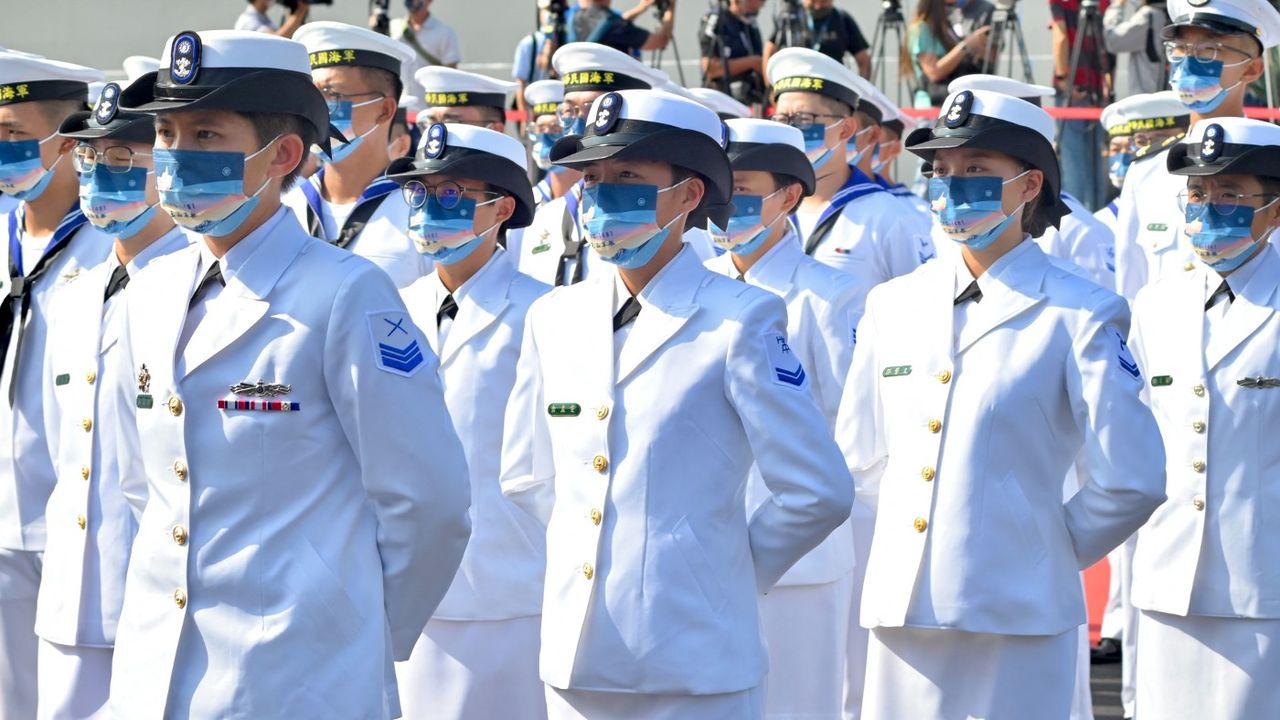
(1126,359)
(397,344)
(786,367)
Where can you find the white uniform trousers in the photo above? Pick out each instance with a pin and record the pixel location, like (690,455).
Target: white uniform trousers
(1202,667)
(806,631)
(473,670)
(863,522)
(930,674)
(1122,573)
(74,682)
(19,585)
(588,705)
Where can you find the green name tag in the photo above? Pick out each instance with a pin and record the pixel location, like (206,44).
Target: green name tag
(62,379)
(564,409)
(541,248)
(145,402)
(1161,381)
(1157,227)
(897,371)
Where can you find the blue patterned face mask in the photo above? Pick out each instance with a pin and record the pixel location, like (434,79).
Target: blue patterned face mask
(541,147)
(815,143)
(1118,168)
(852,154)
(447,235)
(22,174)
(620,222)
(340,112)
(1222,240)
(747,229)
(203,190)
(970,209)
(116,202)
(1198,83)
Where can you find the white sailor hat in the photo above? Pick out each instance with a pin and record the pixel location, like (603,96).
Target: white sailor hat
(1256,18)
(135,66)
(1003,85)
(898,122)
(872,99)
(236,71)
(587,66)
(447,87)
(995,121)
(1228,146)
(1144,112)
(771,147)
(656,125)
(543,97)
(25,77)
(106,120)
(335,44)
(475,153)
(723,105)
(798,69)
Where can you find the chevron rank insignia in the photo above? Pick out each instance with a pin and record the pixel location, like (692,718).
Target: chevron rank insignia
(1127,362)
(397,344)
(786,367)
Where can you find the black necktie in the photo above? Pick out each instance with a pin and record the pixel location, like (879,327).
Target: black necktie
(119,279)
(630,309)
(448,308)
(214,274)
(973,292)
(1223,289)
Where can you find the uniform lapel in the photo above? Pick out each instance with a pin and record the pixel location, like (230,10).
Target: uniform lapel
(1186,333)
(776,270)
(666,309)
(1251,308)
(484,302)
(1005,295)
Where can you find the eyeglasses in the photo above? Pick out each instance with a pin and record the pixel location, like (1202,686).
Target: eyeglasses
(1224,202)
(117,158)
(1204,52)
(568,113)
(334,96)
(801,119)
(447,193)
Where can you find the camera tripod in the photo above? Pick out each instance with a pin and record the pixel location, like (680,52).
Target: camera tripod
(1089,24)
(715,30)
(890,21)
(1006,36)
(661,7)
(793,29)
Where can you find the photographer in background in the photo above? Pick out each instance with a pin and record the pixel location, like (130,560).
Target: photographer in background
(532,61)
(733,31)
(432,42)
(935,55)
(595,21)
(1138,35)
(832,32)
(254,18)
(1080,142)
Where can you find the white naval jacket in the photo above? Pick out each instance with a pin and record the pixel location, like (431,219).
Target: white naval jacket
(653,568)
(822,317)
(283,559)
(1211,548)
(1150,243)
(90,526)
(962,445)
(26,474)
(384,241)
(501,572)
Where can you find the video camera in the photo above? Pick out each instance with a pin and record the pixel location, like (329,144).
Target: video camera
(292,5)
(378,11)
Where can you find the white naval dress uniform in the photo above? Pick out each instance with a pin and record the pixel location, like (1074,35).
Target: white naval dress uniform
(652,578)
(1205,575)
(959,424)
(283,558)
(89,526)
(384,241)
(1150,243)
(805,616)
(26,474)
(478,657)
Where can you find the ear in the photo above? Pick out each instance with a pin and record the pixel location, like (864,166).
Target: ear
(386,110)
(848,127)
(792,196)
(287,156)
(1033,183)
(65,145)
(692,194)
(504,209)
(1253,70)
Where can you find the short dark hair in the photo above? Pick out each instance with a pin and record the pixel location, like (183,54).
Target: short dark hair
(268,126)
(1034,222)
(780,181)
(55,111)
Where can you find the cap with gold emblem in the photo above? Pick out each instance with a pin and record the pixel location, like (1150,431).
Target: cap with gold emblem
(335,44)
(1255,18)
(1228,146)
(588,66)
(543,97)
(447,87)
(798,69)
(26,78)
(107,121)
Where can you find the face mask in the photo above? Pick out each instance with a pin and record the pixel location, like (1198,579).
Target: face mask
(203,190)
(1119,168)
(1199,84)
(577,127)
(446,235)
(970,209)
(116,202)
(620,222)
(22,174)
(541,148)
(340,117)
(815,143)
(852,154)
(1223,242)
(746,230)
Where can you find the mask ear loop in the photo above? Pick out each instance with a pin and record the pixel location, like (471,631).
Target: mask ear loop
(249,157)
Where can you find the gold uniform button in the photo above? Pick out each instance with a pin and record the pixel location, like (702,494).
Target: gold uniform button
(944,377)
(87,424)
(1198,466)
(920,525)
(600,463)
(180,598)
(92,377)
(596,516)
(1188,267)
(81,521)
(935,426)
(179,534)
(1198,390)
(602,412)
(84,472)
(175,405)
(180,469)
(1198,504)
(1197,426)
(927,473)
(588,572)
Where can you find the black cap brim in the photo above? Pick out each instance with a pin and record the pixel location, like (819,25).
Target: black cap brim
(125,127)
(496,171)
(773,158)
(1260,161)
